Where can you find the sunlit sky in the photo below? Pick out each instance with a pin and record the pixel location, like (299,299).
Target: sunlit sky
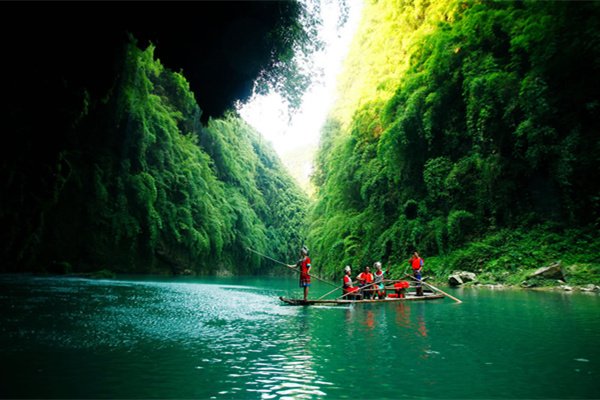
(268,113)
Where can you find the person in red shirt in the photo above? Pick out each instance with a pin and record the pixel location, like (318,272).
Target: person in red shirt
(304,265)
(348,285)
(416,263)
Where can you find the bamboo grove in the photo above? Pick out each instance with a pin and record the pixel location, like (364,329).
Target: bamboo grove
(457,121)
(146,188)
(467,130)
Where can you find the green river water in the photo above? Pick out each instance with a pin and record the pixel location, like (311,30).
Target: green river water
(223,338)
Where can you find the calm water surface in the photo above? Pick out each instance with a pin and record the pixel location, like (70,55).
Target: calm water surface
(232,338)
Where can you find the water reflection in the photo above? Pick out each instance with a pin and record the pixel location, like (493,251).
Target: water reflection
(267,357)
(421,328)
(402,314)
(411,319)
(290,372)
(370,319)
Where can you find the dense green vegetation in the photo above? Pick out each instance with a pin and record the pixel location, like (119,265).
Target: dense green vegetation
(143,187)
(465,130)
(115,162)
(510,256)
(485,139)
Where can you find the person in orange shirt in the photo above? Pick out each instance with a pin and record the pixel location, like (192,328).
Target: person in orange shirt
(416,263)
(365,279)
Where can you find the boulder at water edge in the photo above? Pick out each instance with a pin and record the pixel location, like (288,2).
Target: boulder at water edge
(553,271)
(459,277)
(590,288)
(454,280)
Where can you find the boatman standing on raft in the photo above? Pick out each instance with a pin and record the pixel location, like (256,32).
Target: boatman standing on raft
(417,266)
(304,266)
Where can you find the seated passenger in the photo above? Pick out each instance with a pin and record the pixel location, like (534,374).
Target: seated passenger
(400,288)
(365,280)
(348,286)
(378,281)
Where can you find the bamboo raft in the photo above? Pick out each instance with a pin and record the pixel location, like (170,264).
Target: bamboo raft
(408,297)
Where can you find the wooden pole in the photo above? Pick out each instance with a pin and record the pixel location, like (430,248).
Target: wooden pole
(371,284)
(393,280)
(434,288)
(290,266)
(328,293)
(359,290)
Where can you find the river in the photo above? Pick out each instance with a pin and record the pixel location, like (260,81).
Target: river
(224,338)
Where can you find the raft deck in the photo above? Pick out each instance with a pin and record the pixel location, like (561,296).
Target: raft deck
(408,297)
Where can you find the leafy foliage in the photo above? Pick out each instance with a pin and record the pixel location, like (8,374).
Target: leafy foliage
(150,189)
(489,126)
(292,45)
(510,255)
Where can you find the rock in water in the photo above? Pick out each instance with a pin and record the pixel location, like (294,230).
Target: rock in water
(454,280)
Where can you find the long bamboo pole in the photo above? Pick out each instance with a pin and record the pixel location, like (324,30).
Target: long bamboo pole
(328,293)
(290,266)
(360,289)
(434,288)
(341,287)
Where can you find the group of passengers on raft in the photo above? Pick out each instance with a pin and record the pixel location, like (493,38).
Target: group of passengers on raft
(372,285)
(369,285)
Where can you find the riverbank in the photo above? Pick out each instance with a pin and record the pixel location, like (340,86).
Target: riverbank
(559,286)
(512,257)
(504,258)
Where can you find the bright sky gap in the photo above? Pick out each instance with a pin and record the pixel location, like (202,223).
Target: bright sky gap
(296,137)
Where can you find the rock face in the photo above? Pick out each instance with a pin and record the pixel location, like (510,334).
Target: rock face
(454,280)
(553,271)
(460,277)
(590,288)
(467,276)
